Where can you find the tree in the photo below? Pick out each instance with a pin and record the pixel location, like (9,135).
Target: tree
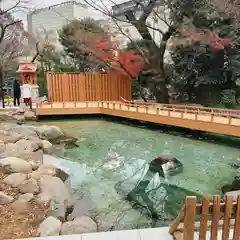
(206,57)
(12,42)
(79,38)
(176,16)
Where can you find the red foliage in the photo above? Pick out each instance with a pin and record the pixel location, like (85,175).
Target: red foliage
(211,38)
(126,62)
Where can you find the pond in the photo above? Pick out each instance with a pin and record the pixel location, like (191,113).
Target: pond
(111,158)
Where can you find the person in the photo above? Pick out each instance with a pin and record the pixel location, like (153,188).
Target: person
(27,93)
(16,93)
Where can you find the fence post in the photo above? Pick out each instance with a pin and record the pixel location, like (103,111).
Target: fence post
(215,217)
(227,217)
(189,220)
(204,218)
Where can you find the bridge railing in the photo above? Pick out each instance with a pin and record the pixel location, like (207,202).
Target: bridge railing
(227,116)
(219,214)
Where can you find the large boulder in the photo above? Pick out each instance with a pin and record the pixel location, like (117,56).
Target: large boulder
(28,150)
(51,171)
(50,227)
(165,165)
(83,224)
(34,158)
(24,130)
(29,115)
(5,199)
(44,198)
(22,203)
(14,165)
(47,146)
(28,145)
(82,207)
(9,137)
(50,133)
(56,187)
(15,179)
(234,185)
(29,186)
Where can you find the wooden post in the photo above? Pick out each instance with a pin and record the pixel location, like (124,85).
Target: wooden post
(215,217)
(189,220)
(227,217)
(236,235)
(204,218)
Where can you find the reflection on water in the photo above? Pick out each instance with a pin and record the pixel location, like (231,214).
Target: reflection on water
(112,159)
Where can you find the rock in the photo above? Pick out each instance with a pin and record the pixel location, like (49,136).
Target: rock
(29,186)
(234,186)
(9,137)
(15,179)
(165,165)
(29,115)
(22,203)
(79,225)
(34,158)
(46,146)
(22,107)
(27,197)
(83,207)
(51,171)
(14,165)
(234,194)
(20,119)
(5,199)
(57,210)
(28,145)
(20,206)
(25,131)
(49,132)
(2,147)
(56,188)
(43,198)
(50,227)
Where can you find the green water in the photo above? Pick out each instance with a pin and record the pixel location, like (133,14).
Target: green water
(109,152)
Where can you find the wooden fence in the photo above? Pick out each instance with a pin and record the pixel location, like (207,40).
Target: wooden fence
(77,87)
(221,214)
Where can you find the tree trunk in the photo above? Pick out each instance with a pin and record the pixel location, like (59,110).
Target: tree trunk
(161,92)
(1,88)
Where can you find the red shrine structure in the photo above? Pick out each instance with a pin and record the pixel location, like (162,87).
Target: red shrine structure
(28,72)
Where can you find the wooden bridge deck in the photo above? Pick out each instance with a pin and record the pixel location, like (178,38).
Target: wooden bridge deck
(222,121)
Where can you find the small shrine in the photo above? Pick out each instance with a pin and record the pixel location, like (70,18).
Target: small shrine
(28,74)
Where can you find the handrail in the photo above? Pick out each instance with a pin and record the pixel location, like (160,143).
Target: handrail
(227,113)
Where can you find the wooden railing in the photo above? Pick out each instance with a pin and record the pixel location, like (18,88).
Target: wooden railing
(215,115)
(214,216)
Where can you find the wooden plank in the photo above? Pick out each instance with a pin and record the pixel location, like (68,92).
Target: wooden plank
(236,235)
(204,218)
(215,217)
(174,224)
(189,219)
(227,217)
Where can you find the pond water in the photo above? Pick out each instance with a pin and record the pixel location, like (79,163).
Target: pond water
(111,158)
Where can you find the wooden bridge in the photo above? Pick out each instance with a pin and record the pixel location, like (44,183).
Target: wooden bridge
(222,121)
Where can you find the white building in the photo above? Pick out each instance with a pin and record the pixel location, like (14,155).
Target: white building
(47,21)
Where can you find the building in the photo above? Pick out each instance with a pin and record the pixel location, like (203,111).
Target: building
(47,21)
(128,30)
